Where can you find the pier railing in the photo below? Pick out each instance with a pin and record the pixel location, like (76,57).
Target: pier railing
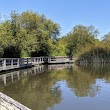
(13,63)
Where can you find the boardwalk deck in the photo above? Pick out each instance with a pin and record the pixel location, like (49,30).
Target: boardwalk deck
(7,103)
(17,63)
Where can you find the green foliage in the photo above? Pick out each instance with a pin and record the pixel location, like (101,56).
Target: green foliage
(12,52)
(28,31)
(98,53)
(24,53)
(59,47)
(30,34)
(79,38)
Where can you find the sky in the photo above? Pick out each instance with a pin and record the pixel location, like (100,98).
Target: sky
(67,13)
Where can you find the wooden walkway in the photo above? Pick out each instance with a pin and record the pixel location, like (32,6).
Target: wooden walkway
(17,63)
(7,103)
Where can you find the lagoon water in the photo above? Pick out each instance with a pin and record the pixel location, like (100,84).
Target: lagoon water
(60,87)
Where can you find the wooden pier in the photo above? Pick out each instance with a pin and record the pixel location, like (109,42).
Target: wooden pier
(6,64)
(17,63)
(7,103)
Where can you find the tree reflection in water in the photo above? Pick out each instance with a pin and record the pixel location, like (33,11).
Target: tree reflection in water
(43,91)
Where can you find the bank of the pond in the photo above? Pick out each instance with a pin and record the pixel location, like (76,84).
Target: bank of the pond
(94,55)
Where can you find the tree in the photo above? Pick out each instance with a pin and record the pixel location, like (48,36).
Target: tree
(29,32)
(79,38)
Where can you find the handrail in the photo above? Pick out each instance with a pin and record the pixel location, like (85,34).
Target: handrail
(13,63)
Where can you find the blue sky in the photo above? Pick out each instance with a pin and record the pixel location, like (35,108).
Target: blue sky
(67,13)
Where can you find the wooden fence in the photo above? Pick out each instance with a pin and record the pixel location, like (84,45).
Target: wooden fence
(16,63)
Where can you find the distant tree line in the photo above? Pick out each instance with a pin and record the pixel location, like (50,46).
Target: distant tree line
(82,43)
(30,34)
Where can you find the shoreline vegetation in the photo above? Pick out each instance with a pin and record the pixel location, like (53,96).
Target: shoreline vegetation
(29,34)
(94,56)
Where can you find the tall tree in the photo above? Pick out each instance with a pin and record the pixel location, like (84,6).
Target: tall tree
(80,37)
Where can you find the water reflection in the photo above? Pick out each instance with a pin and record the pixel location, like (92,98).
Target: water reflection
(11,77)
(60,87)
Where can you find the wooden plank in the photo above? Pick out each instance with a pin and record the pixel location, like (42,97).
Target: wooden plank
(7,103)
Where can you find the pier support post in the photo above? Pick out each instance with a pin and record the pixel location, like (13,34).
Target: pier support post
(18,75)
(12,77)
(4,79)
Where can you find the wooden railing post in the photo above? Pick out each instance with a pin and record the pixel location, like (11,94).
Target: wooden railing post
(37,60)
(49,59)
(11,63)
(43,59)
(27,61)
(18,62)
(4,63)
(31,60)
(34,60)
(40,60)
